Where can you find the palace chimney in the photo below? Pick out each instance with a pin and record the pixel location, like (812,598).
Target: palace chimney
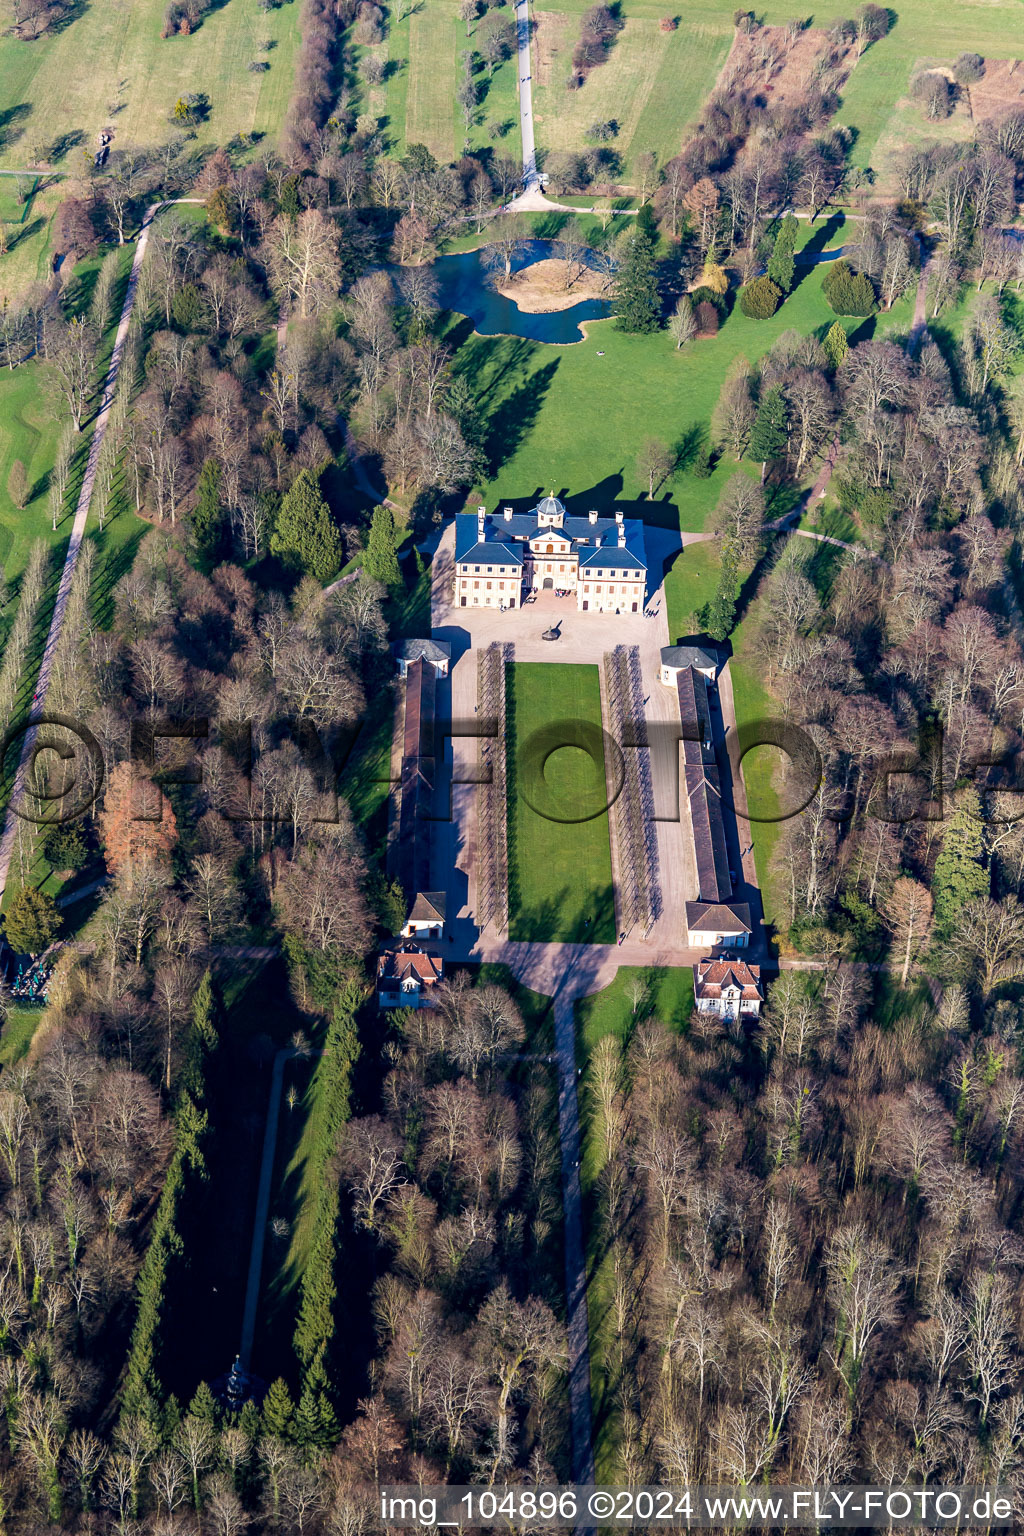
(508,514)
(618,515)
(481,514)
(593,518)
(622,536)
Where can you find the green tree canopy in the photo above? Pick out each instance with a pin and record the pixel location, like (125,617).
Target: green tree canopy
(66,846)
(381,558)
(207,522)
(718,615)
(305,537)
(836,345)
(32,921)
(781,266)
(959,875)
(768,436)
(636,292)
(848,292)
(278,1410)
(761,298)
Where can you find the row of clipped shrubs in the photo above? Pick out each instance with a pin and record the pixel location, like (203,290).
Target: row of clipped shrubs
(847,292)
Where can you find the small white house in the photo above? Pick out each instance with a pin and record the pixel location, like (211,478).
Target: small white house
(437,652)
(731,989)
(676,658)
(710,924)
(406,977)
(426,919)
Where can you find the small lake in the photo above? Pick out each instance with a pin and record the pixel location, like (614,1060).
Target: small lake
(463,286)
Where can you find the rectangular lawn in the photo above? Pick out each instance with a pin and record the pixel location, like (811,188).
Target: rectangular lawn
(111,66)
(561,870)
(652,85)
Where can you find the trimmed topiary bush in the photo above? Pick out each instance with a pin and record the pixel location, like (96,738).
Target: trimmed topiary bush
(760,299)
(848,292)
(705,295)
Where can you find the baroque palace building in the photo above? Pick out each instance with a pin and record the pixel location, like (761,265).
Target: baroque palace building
(601,561)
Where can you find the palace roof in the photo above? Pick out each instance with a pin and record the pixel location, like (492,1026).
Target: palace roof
(502,534)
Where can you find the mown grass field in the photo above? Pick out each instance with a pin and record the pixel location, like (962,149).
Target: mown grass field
(561,871)
(112,57)
(29,244)
(574,417)
(669,1000)
(652,84)
(924,32)
(416,103)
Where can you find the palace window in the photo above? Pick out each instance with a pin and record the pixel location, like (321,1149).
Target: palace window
(550,549)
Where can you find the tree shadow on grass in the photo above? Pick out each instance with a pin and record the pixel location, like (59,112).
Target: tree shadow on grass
(25,232)
(12,123)
(110,571)
(512,419)
(688,445)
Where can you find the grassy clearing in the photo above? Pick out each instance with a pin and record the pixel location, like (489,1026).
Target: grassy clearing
(923,32)
(574,417)
(561,871)
(70,84)
(668,999)
(417,101)
(652,85)
(29,247)
(16,1035)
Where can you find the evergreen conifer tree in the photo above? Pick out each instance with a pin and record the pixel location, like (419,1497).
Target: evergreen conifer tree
(718,615)
(316,1424)
(959,875)
(207,523)
(781,266)
(636,293)
(278,1410)
(381,558)
(305,537)
(836,344)
(768,436)
(204,1405)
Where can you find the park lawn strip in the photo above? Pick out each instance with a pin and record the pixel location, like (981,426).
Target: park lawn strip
(652,84)
(430,93)
(68,78)
(28,257)
(16,1035)
(416,103)
(560,872)
(753,702)
(669,1000)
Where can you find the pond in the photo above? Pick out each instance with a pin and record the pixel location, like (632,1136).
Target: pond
(463,286)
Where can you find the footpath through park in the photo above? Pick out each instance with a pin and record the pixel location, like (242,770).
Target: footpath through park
(75,542)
